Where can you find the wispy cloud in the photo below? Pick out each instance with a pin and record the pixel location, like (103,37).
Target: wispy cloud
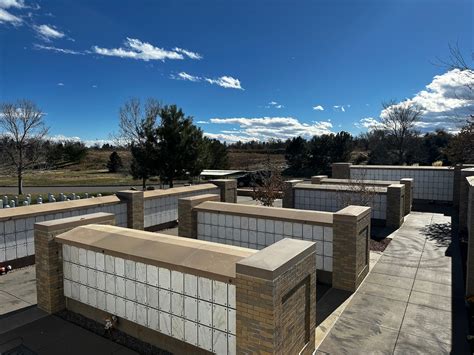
(58,50)
(135,49)
(265,128)
(318,108)
(7,17)
(369,123)
(274,104)
(341,108)
(202,122)
(192,55)
(223,81)
(60,84)
(48,32)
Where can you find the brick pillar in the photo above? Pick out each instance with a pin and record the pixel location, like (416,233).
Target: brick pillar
(470,245)
(409,185)
(341,170)
(456,185)
(135,208)
(463,198)
(395,205)
(317,179)
(276,299)
(288,200)
(351,235)
(49,260)
(228,188)
(187,217)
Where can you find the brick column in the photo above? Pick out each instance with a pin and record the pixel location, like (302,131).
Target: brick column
(317,179)
(409,185)
(276,299)
(463,198)
(470,246)
(456,185)
(228,188)
(341,170)
(187,217)
(49,260)
(395,205)
(135,208)
(288,200)
(351,235)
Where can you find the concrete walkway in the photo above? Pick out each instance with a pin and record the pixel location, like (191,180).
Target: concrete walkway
(404,306)
(17,289)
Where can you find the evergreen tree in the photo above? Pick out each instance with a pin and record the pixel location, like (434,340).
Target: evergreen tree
(114,163)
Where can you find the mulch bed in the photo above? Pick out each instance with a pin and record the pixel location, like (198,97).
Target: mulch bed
(379,245)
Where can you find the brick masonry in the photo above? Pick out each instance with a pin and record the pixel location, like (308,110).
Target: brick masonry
(409,184)
(276,306)
(463,198)
(187,217)
(135,208)
(351,233)
(395,205)
(470,229)
(228,189)
(49,263)
(288,200)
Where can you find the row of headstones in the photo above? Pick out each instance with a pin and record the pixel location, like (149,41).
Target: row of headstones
(15,202)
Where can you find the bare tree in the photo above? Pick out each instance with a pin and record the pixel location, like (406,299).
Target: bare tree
(23,130)
(358,191)
(399,121)
(269,186)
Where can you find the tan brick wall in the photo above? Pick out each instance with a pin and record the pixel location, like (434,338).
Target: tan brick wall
(278,315)
(187,216)
(135,208)
(341,170)
(49,263)
(463,199)
(288,200)
(395,205)
(470,229)
(409,184)
(228,189)
(351,234)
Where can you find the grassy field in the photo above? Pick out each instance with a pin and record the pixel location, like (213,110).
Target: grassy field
(93,171)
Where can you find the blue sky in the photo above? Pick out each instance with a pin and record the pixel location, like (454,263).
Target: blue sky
(243,69)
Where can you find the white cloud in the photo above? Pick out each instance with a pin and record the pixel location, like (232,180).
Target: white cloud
(202,122)
(18,4)
(369,123)
(192,55)
(223,81)
(227,82)
(7,17)
(87,142)
(58,50)
(264,128)
(229,138)
(274,104)
(48,32)
(94,86)
(60,84)
(341,107)
(136,49)
(318,108)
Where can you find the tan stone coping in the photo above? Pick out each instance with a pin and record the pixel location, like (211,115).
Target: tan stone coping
(354,211)
(285,214)
(275,259)
(177,190)
(55,207)
(200,197)
(470,180)
(347,187)
(71,222)
(212,260)
(397,167)
(382,183)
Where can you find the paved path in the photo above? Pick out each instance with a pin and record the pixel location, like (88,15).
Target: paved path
(404,306)
(17,289)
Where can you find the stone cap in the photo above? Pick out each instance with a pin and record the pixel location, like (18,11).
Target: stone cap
(397,167)
(201,258)
(55,207)
(398,186)
(274,260)
(407,179)
(467,170)
(382,183)
(353,211)
(252,211)
(346,187)
(204,197)
(231,183)
(177,190)
(71,222)
(470,180)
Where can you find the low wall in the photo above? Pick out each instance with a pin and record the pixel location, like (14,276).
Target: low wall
(189,296)
(408,182)
(17,224)
(161,206)
(258,227)
(470,232)
(432,183)
(387,203)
